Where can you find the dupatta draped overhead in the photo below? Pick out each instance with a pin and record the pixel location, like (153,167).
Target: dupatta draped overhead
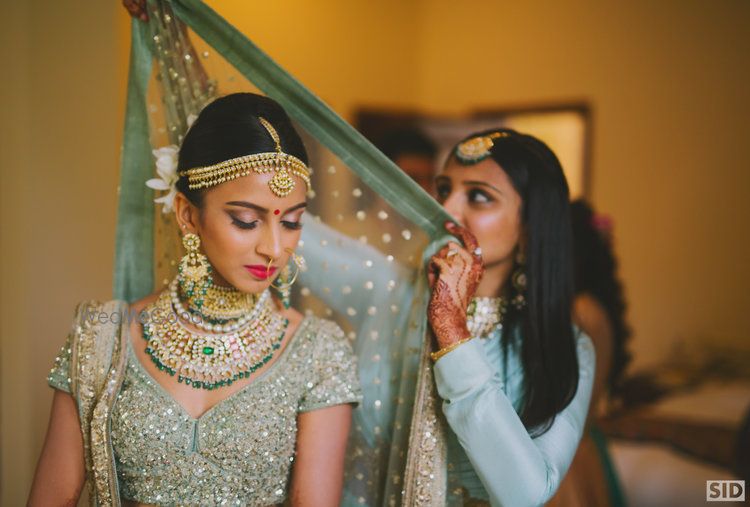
(366,239)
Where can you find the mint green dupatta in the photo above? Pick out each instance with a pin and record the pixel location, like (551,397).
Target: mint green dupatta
(396,453)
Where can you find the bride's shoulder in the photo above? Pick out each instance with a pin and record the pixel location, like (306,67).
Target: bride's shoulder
(328,340)
(92,311)
(140,304)
(323,329)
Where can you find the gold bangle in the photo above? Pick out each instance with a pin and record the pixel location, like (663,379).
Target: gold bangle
(440,353)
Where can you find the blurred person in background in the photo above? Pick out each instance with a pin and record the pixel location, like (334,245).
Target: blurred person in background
(598,310)
(413,152)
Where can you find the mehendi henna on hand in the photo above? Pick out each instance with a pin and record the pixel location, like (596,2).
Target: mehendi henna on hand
(454,281)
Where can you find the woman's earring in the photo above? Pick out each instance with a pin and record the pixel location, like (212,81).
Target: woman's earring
(518,279)
(286,280)
(194,270)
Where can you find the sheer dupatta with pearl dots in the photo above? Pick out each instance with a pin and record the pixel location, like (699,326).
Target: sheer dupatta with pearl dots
(366,237)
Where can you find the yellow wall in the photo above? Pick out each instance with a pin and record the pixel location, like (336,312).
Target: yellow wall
(667,81)
(345,52)
(668,85)
(62,116)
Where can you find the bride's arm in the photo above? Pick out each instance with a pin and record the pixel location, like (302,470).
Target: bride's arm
(318,473)
(60,472)
(324,419)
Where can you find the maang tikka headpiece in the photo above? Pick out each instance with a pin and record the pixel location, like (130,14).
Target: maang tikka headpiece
(284,165)
(476,149)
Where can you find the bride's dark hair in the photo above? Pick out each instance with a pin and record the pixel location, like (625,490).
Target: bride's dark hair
(548,345)
(229,128)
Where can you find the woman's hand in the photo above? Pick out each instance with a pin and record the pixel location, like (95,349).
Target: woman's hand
(454,274)
(136,8)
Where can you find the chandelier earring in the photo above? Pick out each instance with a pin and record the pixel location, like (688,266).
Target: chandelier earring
(194,271)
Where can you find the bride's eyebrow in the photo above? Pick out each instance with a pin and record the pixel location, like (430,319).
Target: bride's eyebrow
(261,209)
(483,184)
(295,207)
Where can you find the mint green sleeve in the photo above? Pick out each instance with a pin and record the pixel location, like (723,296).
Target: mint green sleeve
(515,469)
(349,276)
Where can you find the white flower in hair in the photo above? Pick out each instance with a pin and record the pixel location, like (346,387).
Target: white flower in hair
(166,168)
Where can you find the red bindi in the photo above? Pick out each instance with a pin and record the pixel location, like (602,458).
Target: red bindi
(276,212)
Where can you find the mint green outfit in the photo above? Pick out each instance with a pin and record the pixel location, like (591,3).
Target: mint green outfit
(490,451)
(490,455)
(407,447)
(241,451)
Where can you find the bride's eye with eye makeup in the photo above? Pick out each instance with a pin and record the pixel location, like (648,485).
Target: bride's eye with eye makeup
(243,224)
(294,226)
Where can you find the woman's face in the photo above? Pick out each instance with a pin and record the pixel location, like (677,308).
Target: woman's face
(243,226)
(482,198)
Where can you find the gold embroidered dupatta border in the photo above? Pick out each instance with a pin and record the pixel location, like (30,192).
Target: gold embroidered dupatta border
(97,369)
(425,475)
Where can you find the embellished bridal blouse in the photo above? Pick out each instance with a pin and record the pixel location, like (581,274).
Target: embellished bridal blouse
(142,446)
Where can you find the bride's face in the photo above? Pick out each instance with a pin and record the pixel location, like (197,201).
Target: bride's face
(243,226)
(482,198)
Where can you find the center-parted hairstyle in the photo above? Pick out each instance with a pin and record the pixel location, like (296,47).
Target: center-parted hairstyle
(548,345)
(228,128)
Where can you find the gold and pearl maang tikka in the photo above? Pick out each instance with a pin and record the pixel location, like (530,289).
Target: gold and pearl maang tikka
(476,149)
(283,165)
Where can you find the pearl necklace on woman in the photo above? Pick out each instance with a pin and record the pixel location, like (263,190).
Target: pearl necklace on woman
(221,353)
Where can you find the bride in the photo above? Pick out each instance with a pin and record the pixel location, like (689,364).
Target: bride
(214,390)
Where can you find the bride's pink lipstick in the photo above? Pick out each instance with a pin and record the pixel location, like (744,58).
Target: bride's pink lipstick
(261,272)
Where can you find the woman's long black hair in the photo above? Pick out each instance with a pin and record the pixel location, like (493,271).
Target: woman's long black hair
(548,345)
(228,128)
(596,275)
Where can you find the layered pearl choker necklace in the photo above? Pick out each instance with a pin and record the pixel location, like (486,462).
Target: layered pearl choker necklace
(227,351)
(217,321)
(485,314)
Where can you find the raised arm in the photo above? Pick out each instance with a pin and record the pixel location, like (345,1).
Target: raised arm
(60,472)
(515,469)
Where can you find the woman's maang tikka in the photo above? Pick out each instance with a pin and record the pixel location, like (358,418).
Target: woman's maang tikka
(284,165)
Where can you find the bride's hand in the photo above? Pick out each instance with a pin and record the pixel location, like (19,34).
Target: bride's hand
(136,8)
(454,274)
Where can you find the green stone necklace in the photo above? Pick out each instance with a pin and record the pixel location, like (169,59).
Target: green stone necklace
(211,360)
